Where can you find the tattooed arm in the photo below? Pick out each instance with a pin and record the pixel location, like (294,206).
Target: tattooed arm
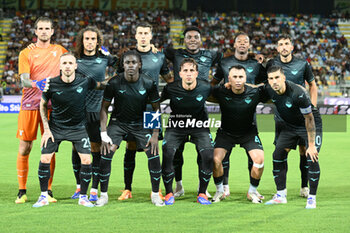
(311,134)
(44,116)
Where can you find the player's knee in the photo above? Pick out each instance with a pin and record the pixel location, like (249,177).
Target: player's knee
(169,151)
(259,159)
(85,159)
(207,155)
(217,160)
(95,146)
(280,153)
(258,165)
(46,158)
(131,145)
(25,147)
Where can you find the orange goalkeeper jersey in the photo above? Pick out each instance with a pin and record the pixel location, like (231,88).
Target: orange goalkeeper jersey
(40,63)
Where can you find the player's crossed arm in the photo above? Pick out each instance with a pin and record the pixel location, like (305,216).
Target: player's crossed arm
(27,82)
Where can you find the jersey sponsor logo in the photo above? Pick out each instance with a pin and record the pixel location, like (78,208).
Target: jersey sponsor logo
(199,98)
(98,60)
(54,53)
(250,69)
(273,100)
(203,59)
(79,89)
(59,92)
(301,96)
(248,100)
(294,72)
(151,120)
(142,92)
(179,98)
(289,104)
(155,60)
(21,132)
(36,55)
(228,98)
(122,91)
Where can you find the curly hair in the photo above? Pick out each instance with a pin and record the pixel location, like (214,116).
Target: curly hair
(79,49)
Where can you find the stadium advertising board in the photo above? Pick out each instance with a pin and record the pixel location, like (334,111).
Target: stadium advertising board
(64,4)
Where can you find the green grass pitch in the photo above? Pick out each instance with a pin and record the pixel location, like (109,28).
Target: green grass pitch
(235,214)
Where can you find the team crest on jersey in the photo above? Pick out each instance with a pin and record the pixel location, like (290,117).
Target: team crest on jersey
(248,100)
(203,59)
(142,92)
(79,89)
(54,53)
(155,60)
(98,60)
(294,72)
(199,98)
(250,69)
(288,104)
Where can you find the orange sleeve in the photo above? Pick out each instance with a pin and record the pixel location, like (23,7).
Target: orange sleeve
(23,62)
(63,50)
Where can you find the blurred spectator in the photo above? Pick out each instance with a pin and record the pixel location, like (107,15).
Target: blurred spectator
(316,38)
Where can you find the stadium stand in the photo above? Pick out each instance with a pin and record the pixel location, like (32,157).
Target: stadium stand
(317,39)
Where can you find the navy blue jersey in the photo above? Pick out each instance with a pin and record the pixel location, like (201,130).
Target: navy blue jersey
(238,110)
(68,101)
(95,67)
(297,70)
(187,105)
(204,58)
(154,64)
(256,73)
(291,105)
(130,99)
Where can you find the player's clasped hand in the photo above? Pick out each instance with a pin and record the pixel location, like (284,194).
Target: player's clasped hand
(106,143)
(154,144)
(312,152)
(40,84)
(45,138)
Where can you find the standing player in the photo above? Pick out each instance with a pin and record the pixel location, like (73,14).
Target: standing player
(238,126)
(298,71)
(67,93)
(92,62)
(255,74)
(302,122)
(204,59)
(35,66)
(153,65)
(187,103)
(131,91)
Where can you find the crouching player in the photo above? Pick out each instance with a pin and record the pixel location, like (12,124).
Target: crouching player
(238,126)
(67,93)
(302,123)
(131,91)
